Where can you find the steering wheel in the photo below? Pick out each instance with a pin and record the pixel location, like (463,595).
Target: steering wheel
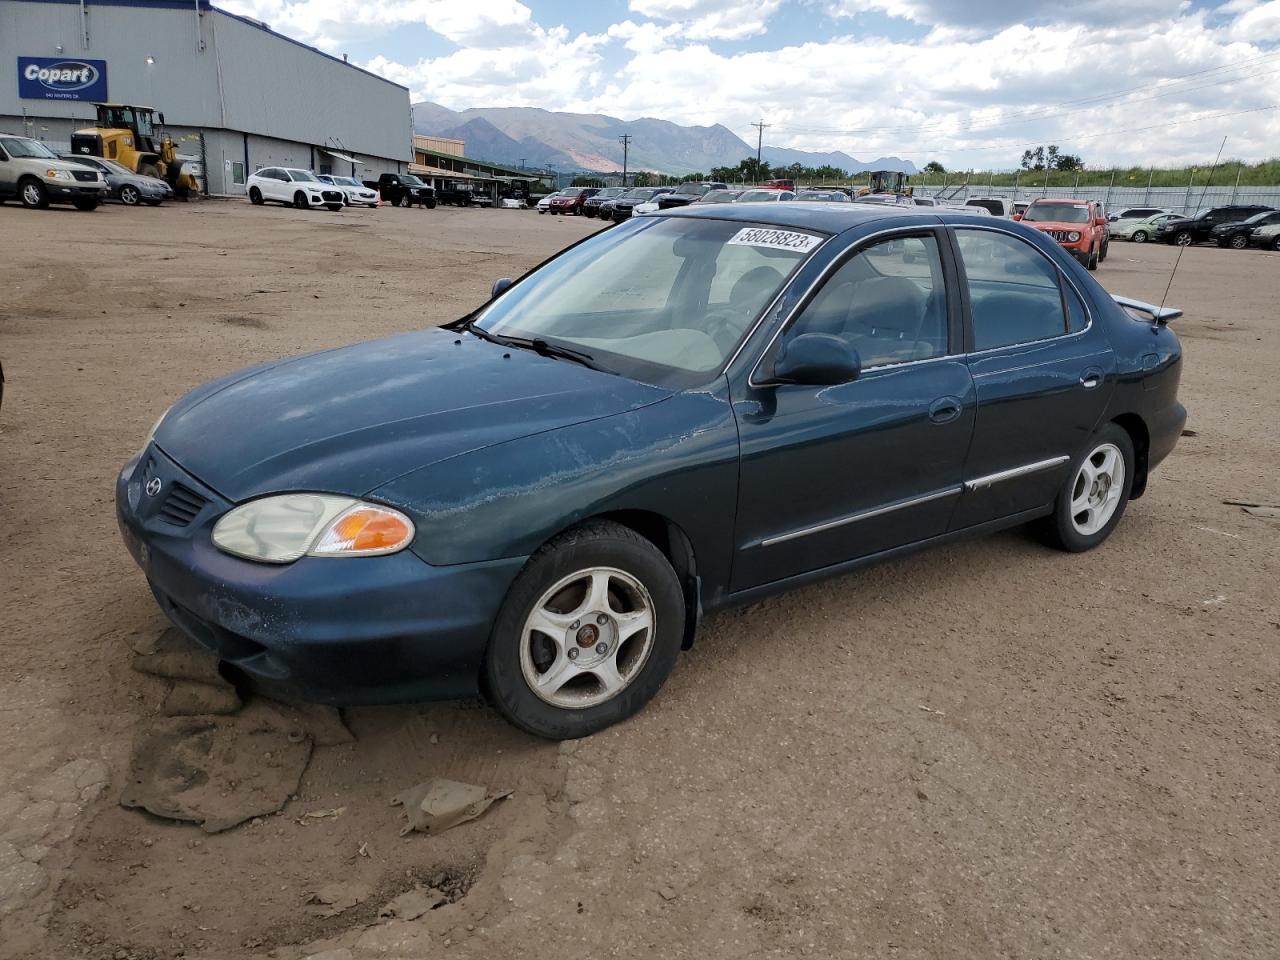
(722,324)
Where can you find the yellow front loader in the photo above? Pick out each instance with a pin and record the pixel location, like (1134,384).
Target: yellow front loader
(127,135)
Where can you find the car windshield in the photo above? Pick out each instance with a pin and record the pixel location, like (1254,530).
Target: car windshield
(1258,217)
(642,193)
(691,189)
(410,179)
(1057,213)
(661,300)
(16,147)
(608,193)
(302,176)
(748,196)
(720,196)
(347,181)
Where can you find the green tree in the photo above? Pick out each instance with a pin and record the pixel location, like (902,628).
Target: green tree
(933,166)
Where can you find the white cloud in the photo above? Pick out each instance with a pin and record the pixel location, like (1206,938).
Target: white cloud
(1002,13)
(711,19)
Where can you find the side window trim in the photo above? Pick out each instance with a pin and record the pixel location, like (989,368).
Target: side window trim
(963,283)
(936,231)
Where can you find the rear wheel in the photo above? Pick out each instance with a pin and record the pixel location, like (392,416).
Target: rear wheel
(1275,244)
(129,195)
(1239,241)
(255,196)
(300,201)
(33,194)
(587,634)
(1092,263)
(1092,501)
(1139,236)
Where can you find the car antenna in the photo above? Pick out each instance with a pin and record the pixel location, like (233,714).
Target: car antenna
(1182,247)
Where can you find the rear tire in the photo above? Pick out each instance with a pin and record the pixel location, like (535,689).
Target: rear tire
(1139,236)
(614,612)
(33,194)
(1092,264)
(255,196)
(404,201)
(1093,497)
(129,195)
(1106,248)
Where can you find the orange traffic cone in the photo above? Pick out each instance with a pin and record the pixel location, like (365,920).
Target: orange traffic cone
(379,198)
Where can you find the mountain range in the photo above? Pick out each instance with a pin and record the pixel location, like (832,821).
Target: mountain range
(589,141)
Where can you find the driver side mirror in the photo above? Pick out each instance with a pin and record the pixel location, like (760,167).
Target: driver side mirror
(1017,216)
(816,359)
(499,286)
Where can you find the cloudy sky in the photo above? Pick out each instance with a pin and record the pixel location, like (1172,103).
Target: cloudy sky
(971,85)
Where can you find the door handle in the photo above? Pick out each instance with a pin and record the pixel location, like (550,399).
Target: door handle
(945,409)
(1090,379)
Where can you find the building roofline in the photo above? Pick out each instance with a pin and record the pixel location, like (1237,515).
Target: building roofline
(247,21)
(527,173)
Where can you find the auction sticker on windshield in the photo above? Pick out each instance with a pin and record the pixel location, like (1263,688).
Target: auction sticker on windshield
(777,239)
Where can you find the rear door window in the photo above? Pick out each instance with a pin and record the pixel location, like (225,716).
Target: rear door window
(1014,291)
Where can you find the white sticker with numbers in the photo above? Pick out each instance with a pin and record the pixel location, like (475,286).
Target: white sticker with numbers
(775,239)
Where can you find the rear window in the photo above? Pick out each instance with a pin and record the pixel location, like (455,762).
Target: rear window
(995,206)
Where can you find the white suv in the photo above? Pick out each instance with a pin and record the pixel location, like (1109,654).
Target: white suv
(288,185)
(35,175)
(352,189)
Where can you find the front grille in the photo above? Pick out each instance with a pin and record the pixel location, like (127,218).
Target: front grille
(1059,235)
(181,506)
(333,196)
(87,176)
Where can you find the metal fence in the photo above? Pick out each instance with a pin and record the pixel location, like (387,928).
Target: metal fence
(1186,200)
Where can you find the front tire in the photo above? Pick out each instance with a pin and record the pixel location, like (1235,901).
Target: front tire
(1106,248)
(129,195)
(300,201)
(1092,263)
(587,634)
(1239,242)
(1096,492)
(1184,238)
(33,195)
(404,202)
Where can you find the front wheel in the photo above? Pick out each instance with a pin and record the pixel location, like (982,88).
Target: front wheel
(130,195)
(300,201)
(33,194)
(1106,248)
(1239,242)
(587,634)
(1092,263)
(404,201)
(1139,236)
(1092,501)
(1184,238)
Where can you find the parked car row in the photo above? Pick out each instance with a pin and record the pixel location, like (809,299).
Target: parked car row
(1237,226)
(305,190)
(35,176)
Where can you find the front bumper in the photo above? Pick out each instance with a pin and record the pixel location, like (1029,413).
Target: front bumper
(355,630)
(62,190)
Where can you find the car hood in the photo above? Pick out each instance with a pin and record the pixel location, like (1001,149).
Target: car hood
(351,419)
(1179,222)
(1233,225)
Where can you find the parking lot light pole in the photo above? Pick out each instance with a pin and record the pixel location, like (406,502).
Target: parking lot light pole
(625,140)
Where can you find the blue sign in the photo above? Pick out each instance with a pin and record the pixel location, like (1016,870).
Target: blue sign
(58,78)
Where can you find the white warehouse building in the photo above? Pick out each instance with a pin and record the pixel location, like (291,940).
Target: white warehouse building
(236,96)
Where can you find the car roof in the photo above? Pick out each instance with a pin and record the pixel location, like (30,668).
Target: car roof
(831,217)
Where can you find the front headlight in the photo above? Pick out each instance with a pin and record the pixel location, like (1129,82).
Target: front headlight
(1073,236)
(152,434)
(58,175)
(283,528)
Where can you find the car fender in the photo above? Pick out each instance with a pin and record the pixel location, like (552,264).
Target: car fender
(677,459)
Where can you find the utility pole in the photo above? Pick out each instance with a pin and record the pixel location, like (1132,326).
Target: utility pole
(522,160)
(760,127)
(625,140)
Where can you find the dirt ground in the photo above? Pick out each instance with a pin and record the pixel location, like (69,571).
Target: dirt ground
(990,750)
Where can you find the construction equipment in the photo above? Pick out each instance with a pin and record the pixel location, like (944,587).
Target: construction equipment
(886,181)
(128,134)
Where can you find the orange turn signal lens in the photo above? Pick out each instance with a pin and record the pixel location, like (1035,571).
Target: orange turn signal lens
(364,531)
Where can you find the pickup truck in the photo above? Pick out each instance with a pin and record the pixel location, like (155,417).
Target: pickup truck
(403,190)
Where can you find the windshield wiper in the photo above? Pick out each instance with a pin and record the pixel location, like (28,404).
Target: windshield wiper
(539,346)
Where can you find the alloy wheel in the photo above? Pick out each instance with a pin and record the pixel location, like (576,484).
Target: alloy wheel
(1239,242)
(1139,236)
(587,638)
(1097,489)
(1184,239)
(32,195)
(129,196)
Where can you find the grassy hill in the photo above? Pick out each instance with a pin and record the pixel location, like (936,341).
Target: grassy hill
(1264,174)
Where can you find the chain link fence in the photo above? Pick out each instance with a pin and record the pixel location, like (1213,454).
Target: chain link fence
(1185,200)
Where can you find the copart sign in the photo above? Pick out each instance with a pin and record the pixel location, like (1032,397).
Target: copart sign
(56,78)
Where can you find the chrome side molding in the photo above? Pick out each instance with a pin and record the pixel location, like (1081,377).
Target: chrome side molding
(1148,311)
(991,479)
(861,515)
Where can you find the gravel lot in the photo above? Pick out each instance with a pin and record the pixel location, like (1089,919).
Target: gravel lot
(991,750)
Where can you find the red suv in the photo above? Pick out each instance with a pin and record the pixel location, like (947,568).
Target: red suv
(572,201)
(1079,226)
